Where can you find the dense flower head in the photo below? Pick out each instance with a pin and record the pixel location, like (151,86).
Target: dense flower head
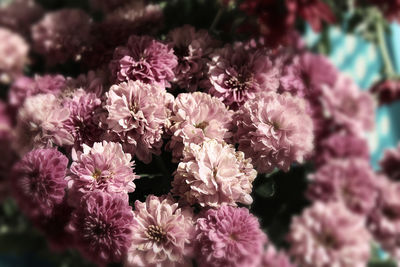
(229,236)
(348,106)
(384,220)
(162,234)
(274,258)
(212,174)
(274,130)
(24,87)
(237,74)
(192,49)
(38,181)
(390,163)
(349,180)
(144,59)
(40,124)
(138,113)
(13,55)
(62,35)
(92,82)
(104,166)
(328,234)
(83,122)
(387,91)
(196,117)
(101,226)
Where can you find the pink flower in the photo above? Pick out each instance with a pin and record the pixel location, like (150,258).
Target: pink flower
(390,163)
(349,180)
(212,174)
(62,35)
(192,49)
(273,258)
(237,74)
(230,237)
(195,117)
(40,124)
(143,59)
(313,11)
(138,113)
(104,166)
(83,122)
(387,91)
(329,235)
(13,55)
(38,181)
(24,87)
(162,234)
(348,106)
(274,130)
(101,226)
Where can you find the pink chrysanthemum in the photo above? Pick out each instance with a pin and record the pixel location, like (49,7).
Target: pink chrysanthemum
(273,258)
(390,163)
(348,106)
(349,180)
(83,122)
(40,124)
(229,237)
(161,234)
(138,113)
(212,174)
(103,166)
(195,117)
(101,226)
(13,55)
(237,74)
(144,59)
(192,49)
(328,234)
(62,35)
(38,181)
(24,87)
(341,146)
(274,130)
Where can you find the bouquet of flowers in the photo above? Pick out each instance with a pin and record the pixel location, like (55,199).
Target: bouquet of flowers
(192,133)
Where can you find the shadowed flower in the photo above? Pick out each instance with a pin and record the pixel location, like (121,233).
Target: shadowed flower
(161,234)
(212,174)
(229,237)
(390,163)
(274,258)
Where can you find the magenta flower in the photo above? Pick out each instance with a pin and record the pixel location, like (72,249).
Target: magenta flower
(24,87)
(144,59)
(212,174)
(62,35)
(104,166)
(274,130)
(273,258)
(101,226)
(229,236)
(192,49)
(387,91)
(349,180)
(40,124)
(138,113)
(196,117)
(328,234)
(162,234)
(38,181)
(237,74)
(390,163)
(13,55)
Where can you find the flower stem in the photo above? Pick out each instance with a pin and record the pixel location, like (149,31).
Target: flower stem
(388,69)
(216,19)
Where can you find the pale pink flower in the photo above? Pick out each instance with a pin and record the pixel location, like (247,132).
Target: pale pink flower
(212,174)
(195,117)
(328,234)
(229,237)
(162,234)
(40,124)
(138,113)
(274,258)
(237,74)
(274,130)
(104,166)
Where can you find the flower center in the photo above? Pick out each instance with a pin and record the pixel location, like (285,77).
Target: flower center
(155,233)
(202,125)
(96,174)
(239,83)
